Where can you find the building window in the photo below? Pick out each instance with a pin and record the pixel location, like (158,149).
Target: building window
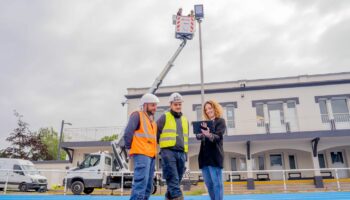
(337,157)
(277,115)
(243,164)
(340,110)
(233,164)
(324,111)
(199,113)
(229,111)
(290,117)
(291,104)
(261,161)
(276,159)
(258,162)
(338,107)
(260,115)
(322,160)
(278,108)
(292,162)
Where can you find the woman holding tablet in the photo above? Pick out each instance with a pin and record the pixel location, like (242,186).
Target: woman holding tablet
(211,154)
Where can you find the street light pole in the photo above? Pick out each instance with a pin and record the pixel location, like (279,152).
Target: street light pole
(201,61)
(199,14)
(60,141)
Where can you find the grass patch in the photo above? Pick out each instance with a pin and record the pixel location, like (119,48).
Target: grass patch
(195,192)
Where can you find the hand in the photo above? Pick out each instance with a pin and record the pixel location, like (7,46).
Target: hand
(206,133)
(199,136)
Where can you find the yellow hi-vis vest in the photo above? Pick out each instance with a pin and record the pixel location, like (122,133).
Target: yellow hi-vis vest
(168,135)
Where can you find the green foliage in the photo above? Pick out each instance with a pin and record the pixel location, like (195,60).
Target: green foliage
(109,138)
(24,143)
(195,192)
(57,187)
(51,139)
(40,145)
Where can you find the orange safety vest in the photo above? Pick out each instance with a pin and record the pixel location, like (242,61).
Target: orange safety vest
(144,140)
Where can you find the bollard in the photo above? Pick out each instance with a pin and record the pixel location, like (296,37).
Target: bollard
(337,177)
(231,182)
(65,183)
(284,181)
(122,185)
(7,180)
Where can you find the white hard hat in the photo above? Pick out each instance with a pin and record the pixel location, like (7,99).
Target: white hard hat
(175,97)
(149,98)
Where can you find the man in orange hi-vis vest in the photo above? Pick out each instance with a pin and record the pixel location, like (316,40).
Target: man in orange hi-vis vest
(140,138)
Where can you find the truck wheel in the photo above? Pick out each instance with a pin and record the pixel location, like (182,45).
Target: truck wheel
(23,187)
(41,189)
(77,187)
(154,188)
(88,190)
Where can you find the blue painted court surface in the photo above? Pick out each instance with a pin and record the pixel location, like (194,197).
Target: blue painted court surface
(291,196)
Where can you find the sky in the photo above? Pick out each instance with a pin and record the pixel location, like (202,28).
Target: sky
(74,60)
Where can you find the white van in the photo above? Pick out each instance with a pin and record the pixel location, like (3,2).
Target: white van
(23,175)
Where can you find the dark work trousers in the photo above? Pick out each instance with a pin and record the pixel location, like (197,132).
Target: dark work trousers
(173,165)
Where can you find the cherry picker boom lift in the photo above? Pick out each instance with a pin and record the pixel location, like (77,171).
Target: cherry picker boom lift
(111,171)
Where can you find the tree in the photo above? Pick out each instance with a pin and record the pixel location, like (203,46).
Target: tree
(51,139)
(109,138)
(18,138)
(37,149)
(24,143)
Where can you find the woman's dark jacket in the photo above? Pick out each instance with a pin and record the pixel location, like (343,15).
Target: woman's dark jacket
(211,152)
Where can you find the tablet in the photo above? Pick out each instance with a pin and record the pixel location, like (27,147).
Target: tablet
(197,126)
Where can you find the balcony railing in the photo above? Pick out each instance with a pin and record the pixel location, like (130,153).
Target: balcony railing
(340,121)
(325,118)
(90,133)
(342,117)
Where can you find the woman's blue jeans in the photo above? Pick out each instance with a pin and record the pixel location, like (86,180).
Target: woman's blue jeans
(213,180)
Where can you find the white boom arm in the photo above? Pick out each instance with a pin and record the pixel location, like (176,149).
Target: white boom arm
(121,157)
(166,69)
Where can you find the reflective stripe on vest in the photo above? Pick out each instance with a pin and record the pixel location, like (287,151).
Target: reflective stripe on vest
(168,136)
(145,138)
(146,133)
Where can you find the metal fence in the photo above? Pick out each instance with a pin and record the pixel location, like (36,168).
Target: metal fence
(195,178)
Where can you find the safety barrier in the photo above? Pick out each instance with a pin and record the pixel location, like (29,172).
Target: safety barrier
(190,177)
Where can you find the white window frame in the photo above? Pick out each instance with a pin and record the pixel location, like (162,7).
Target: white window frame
(282,158)
(226,116)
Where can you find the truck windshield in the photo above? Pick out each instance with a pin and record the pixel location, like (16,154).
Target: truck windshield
(29,169)
(90,161)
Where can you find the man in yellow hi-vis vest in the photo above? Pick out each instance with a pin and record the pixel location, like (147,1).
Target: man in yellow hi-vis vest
(172,136)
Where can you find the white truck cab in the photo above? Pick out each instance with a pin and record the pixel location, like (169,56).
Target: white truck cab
(90,174)
(22,175)
(101,170)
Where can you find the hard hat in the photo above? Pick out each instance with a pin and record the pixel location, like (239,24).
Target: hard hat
(175,97)
(149,98)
